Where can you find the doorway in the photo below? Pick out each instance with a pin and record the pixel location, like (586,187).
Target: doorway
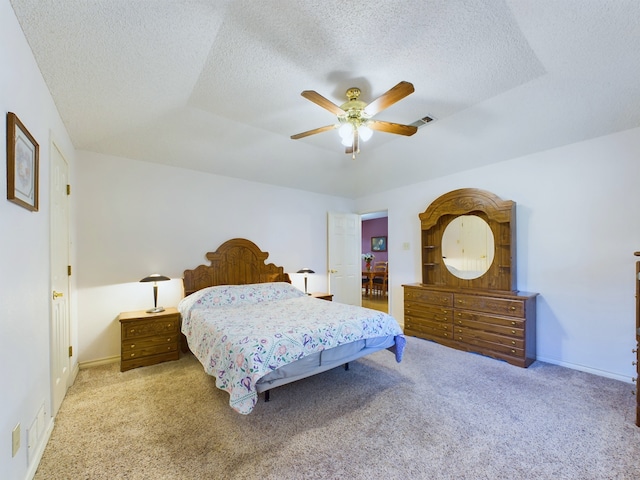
(375,280)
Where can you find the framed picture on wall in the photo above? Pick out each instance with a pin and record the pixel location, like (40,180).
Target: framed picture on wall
(378,244)
(22,164)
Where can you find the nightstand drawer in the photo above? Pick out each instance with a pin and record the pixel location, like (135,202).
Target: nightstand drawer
(150,350)
(150,327)
(143,343)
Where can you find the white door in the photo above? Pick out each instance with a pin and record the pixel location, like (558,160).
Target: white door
(345,267)
(60,331)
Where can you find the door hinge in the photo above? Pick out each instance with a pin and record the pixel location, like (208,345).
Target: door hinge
(70,351)
(68,189)
(69,270)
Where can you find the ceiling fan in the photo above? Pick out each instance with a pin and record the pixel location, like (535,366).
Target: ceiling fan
(355,117)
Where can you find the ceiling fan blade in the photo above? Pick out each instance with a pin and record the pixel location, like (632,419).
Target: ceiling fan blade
(389,127)
(318,99)
(312,132)
(387,99)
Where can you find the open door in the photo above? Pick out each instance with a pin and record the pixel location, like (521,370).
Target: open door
(345,272)
(60,329)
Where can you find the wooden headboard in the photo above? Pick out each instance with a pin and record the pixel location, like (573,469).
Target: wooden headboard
(236,262)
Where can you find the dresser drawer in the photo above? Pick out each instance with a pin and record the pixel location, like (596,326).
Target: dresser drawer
(438,329)
(486,340)
(502,326)
(500,306)
(443,299)
(429,312)
(150,327)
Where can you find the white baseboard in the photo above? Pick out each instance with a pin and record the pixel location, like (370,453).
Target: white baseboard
(582,368)
(100,361)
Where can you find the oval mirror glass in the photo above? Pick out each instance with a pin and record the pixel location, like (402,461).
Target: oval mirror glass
(468,247)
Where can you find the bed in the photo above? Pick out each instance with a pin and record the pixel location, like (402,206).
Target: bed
(254,331)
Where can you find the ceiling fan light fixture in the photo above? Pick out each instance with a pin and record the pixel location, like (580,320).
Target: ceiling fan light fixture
(355,117)
(365,133)
(346,131)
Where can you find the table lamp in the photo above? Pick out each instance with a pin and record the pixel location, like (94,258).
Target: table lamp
(155,278)
(306,271)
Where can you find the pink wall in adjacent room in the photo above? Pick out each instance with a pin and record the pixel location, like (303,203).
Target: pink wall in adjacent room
(374,228)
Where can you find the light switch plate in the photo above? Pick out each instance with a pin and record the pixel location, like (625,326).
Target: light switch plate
(15,440)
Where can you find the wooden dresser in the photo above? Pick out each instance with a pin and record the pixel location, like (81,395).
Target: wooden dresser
(499,325)
(468,297)
(149,338)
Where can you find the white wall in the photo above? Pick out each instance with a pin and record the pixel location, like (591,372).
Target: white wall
(577,229)
(24,253)
(136,218)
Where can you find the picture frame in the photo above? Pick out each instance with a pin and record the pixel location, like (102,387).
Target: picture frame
(379,244)
(23,162)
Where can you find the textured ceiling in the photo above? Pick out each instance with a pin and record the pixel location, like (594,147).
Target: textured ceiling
(215,85)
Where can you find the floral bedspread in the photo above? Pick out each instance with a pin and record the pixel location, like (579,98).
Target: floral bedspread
(240,333)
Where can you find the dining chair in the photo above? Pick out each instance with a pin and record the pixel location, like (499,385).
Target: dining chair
(380,280)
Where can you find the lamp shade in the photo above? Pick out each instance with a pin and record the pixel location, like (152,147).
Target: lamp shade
(155,277)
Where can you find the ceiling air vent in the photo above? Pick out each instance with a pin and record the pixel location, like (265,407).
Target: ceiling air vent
(421,122)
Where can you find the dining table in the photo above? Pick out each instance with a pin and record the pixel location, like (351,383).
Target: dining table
(370,275)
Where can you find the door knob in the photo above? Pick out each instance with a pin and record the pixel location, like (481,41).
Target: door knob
(333,271)
(57,294)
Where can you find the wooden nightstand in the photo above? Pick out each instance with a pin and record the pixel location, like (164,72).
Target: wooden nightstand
(323,296)
(149,338)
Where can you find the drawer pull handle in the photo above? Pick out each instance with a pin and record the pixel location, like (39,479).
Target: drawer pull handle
(512,308)
(513,351)
(513,323)
(133,330)
(513,332)
(133,345)
(168,339)
(513,343)
(459,322)
(133,355)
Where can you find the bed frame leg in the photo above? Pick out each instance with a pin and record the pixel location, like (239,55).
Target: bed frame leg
(266,395)
(346,366)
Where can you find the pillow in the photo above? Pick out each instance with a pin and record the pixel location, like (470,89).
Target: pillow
(237,295)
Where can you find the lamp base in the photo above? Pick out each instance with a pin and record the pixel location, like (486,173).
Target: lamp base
(156,310)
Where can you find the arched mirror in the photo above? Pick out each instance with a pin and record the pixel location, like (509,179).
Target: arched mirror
(468,247)
(468,241)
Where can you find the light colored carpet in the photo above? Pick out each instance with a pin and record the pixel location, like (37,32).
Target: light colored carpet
(440,414)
